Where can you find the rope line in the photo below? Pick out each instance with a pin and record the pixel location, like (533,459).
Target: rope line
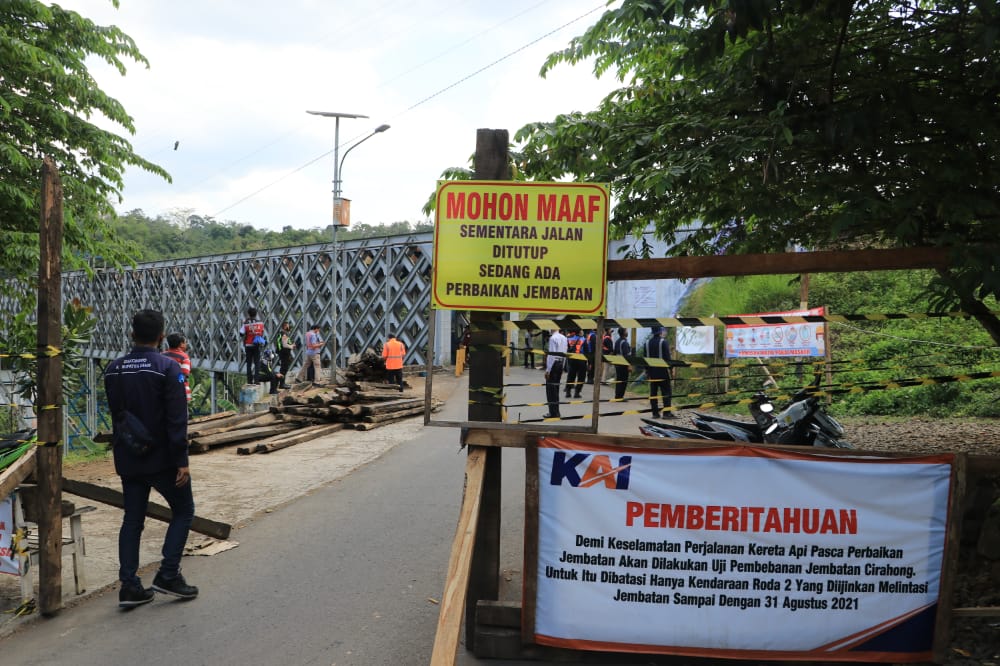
(45,351)
(818,392)
(732,320)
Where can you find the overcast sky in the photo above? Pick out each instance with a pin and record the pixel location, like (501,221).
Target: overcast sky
(231,80)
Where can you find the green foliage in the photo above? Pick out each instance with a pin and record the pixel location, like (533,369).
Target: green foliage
(818,122)
(8,419)
(869,357)
(51,107)
(374,231)
(908,349)
(20,344)
(184,235)
(762,293)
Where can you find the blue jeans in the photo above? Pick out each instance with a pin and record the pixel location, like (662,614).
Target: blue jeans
(136,499)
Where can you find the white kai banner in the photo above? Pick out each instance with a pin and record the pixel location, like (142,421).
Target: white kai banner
(739,552)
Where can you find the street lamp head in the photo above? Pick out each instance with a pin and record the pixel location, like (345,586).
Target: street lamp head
(381,128)
(336,114)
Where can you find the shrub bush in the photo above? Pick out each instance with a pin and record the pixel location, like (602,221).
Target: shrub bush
(902,367)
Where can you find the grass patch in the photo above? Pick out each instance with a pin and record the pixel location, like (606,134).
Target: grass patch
(86,450)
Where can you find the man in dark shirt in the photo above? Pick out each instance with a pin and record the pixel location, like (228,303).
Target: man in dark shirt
(589,348)
(659,377)
(529,351)
(621,348)
(150,387)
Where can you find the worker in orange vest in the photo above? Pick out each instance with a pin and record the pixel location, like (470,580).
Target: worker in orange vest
(393,352)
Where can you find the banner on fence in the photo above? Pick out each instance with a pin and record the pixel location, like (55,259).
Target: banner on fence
(695,340)
(788,339)
(707,552)
(8,559)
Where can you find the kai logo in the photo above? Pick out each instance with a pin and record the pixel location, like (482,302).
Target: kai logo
(598,470)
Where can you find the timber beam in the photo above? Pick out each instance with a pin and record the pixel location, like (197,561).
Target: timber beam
(779,263)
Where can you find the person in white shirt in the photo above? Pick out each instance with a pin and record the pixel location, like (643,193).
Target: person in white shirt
(555,361)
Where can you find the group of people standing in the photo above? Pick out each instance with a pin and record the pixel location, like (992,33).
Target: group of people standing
(558,360)
(259,358)
(252,332)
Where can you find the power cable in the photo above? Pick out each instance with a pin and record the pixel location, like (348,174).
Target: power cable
(499,60)
(455,47)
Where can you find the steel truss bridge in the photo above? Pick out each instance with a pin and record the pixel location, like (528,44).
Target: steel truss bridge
(382,284)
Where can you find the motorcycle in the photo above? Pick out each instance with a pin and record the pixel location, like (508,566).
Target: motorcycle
(803,422)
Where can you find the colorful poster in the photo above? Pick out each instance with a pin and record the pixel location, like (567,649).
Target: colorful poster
(796,337)
(524,247)
(706,552)
(8,560)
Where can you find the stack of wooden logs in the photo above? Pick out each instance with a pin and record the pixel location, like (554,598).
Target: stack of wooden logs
(303,413)
(308,410)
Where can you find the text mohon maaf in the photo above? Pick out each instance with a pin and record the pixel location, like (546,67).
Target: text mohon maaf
(516,207)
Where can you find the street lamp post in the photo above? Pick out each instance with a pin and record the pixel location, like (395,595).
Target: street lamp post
(338,164)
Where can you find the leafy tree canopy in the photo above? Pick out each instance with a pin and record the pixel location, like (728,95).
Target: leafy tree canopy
(49,103)
(828,123)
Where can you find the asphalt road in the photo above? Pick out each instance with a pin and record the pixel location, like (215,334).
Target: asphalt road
(350,574)
(345,575)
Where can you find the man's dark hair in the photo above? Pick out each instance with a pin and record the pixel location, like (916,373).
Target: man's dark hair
(392,334)
(147,326)
(622,332)
(251,312)
(174,340)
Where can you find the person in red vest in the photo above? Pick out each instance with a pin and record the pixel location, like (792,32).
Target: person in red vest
(393,352)
(177,346)
(252,332)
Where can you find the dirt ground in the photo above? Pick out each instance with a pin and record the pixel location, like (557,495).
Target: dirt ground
(235,491)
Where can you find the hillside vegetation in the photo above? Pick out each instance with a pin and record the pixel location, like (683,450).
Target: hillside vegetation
(181,236)
(869,358)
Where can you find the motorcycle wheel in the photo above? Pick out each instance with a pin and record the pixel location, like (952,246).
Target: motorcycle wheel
(829,424)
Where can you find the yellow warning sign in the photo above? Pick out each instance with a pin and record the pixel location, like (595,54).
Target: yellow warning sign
(523,247)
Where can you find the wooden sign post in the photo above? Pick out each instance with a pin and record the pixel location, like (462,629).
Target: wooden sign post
(49,407)
(486,372)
